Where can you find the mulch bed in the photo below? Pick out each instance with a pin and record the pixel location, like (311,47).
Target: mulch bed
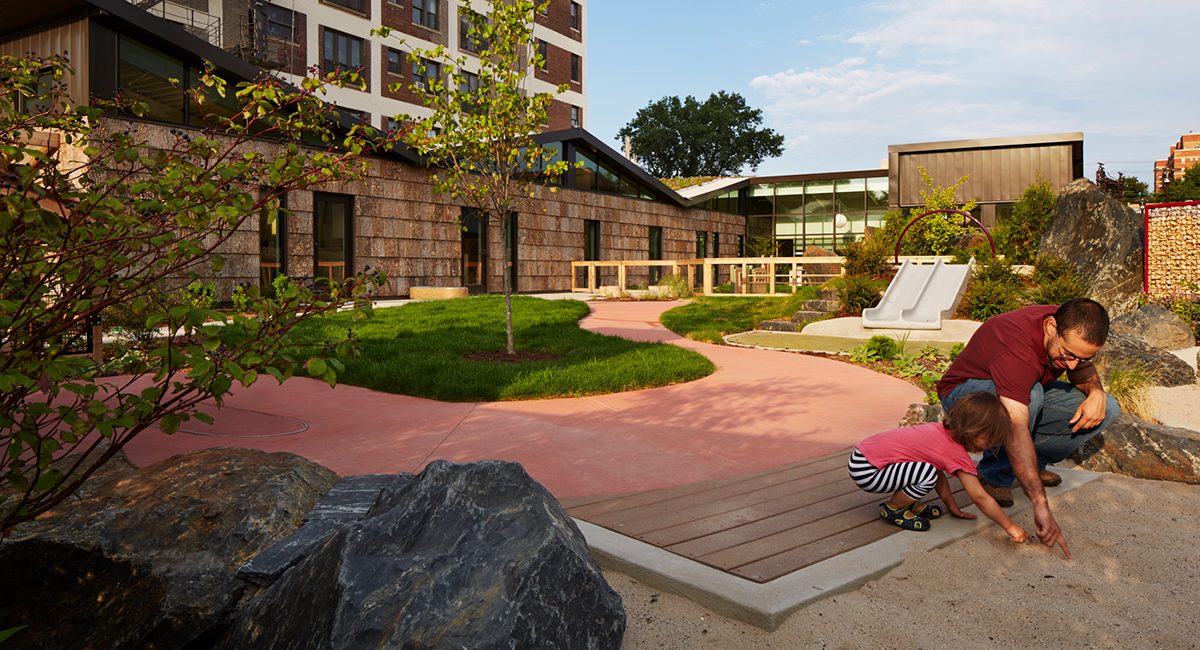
(522,356)
(884,367)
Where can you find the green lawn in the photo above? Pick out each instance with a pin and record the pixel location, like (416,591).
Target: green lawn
(416,350)
(707,318)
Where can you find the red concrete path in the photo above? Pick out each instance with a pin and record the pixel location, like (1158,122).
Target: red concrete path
(760,409)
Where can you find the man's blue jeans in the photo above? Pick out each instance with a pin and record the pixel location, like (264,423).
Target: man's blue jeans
(1050,411)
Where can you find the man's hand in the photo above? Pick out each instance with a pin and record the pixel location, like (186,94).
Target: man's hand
(1047,529)
(1091,412)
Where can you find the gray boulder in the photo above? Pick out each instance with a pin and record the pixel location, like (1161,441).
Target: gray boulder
(463,556)
(919,414)
(1134,447)
(146,558)
(1103,239)
(1157,326)
(1164,368)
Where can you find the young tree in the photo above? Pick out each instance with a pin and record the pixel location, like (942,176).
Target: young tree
(1021,233)
(674,138)
(480,135)
(106,220)
(934,234)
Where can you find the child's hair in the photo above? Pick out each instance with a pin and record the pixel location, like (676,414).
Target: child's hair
(978,413)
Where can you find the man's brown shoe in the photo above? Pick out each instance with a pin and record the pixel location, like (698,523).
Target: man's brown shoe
(1049,479)
(1003,496)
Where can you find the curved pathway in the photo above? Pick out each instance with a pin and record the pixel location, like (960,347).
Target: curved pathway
(760,409)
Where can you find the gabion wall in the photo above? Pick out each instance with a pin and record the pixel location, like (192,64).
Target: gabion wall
(1172,248)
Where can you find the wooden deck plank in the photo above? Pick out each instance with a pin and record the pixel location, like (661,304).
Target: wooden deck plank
(712,503)
(827,547)
(774,475)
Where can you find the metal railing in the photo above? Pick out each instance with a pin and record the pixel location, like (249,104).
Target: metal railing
(198,23)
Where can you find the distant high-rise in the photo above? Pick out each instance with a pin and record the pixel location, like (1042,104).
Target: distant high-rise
(1184,155)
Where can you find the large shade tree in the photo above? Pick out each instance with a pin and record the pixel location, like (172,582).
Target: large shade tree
(675,138)
(106,220)
(479,135)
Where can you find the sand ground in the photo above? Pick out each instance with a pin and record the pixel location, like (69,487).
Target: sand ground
(1134,582)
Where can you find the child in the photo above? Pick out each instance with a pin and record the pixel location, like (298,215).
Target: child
(914,460)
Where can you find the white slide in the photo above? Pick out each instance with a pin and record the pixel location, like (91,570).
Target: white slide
(920,296)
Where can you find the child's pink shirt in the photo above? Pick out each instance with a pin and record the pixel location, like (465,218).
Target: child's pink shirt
(925,443)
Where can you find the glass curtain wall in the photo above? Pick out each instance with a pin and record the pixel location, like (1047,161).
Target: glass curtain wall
(800,214)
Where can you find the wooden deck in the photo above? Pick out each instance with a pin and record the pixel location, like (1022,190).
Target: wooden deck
(758,526)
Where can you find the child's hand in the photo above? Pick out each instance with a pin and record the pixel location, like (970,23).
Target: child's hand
(960,514)
(1018,534)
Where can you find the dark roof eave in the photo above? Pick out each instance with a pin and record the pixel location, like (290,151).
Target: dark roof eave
(578,134)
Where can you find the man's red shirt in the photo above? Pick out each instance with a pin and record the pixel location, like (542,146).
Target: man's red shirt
(1008,349)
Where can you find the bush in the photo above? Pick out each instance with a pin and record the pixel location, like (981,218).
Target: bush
(883,347)
(1058,282)
(128,318)
(1018,236)
(281,285)
(985,299)
(956,350)
(1184,305)
(198,295)
(867,259)
(1130,386)
(677,286)
(242,299)
(858,293)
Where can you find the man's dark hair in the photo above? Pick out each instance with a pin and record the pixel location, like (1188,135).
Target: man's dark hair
(1084,316)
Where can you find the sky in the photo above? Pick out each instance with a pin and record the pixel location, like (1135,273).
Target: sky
(843,80)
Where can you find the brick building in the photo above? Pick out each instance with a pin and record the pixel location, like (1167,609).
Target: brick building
(1182,156)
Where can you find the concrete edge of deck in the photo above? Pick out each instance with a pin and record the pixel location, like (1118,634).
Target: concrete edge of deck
(768,605)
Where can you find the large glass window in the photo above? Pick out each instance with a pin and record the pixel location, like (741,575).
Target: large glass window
(761,199)
(425,12)
(607,179)
(332,250)
(701,244)
(342,50)
(146,74)
(591,240)
(789,198)
(585,174)
(272,243)
(877,201)
(656,252)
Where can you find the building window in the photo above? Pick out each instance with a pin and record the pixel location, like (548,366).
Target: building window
(272,243)
(342,50)
(544,52)
(425,72)
(575,122)
(545,9)
(394,59)
(656,252)
(147,73)
(355,5)
(575,15)
(701,244)
(469,42)
(591,240)
(575,67)
(281,23)
(425,12)
(332,236)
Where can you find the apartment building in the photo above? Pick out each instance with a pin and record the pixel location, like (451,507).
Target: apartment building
(1182,156)
(290,37)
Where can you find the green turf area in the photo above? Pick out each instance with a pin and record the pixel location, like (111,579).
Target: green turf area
(796,341)
(416,350)
(708,318)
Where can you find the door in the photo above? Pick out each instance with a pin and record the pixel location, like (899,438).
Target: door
(474,252)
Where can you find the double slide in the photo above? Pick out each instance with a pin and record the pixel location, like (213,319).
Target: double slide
(920,296)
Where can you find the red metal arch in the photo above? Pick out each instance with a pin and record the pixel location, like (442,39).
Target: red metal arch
(900,240)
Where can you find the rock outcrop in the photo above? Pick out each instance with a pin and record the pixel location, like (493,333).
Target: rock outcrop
(1164,368)
(1103,239)
(1157,326)
(474,556)
(1134,447)
(146,558)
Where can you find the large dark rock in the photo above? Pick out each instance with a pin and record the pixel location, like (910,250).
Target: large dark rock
(1134,447)
(464,556)
(146,558)
(1103,239)
(1164,368)
(1157,326)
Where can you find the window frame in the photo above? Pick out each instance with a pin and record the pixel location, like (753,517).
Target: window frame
(576,117)
(576,68)
(423,76)
(399,71)
(357,6)
(576,16)
(331,39)
(268,10)
(543,49)
(422,15)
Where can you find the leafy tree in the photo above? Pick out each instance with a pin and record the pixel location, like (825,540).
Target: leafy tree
(1021,233)
(481,135)
(1184,188)
(674,138)
(1134,190)
(932,235)
(107,223)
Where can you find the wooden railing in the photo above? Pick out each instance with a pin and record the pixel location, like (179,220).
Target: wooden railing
(747,275)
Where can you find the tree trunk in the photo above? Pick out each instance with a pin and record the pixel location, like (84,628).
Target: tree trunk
(508,322)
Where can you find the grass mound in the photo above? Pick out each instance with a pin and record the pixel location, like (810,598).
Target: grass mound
(709,318)
(418,349)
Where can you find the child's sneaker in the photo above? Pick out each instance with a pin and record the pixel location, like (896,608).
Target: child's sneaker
(903,517)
